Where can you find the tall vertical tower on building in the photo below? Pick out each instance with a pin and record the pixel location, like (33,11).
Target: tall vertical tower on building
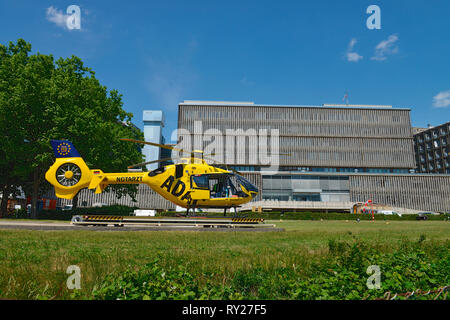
(153,124)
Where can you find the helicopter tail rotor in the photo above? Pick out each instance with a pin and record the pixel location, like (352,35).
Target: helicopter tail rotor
(69,174)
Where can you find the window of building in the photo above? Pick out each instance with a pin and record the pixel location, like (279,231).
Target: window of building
(306,197)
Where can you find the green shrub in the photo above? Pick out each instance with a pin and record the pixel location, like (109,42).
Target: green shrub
(338,274)
(152,282)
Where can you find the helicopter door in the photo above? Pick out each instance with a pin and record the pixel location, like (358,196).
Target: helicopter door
(221,186)
(200,187)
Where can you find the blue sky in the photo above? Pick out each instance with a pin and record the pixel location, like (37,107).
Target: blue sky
(158,53)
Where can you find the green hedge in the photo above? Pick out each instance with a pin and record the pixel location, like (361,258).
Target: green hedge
(275,215)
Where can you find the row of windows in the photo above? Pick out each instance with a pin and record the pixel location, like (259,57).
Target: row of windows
(299,113)
(434,134)
(290,143)
(290,197)
(431,156)
(327,158)
(323,169)
(438,165)
(304,177)
(435,144)
(245,140)
(304,127)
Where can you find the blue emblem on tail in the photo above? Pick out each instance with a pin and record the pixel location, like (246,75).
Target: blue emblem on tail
(64,149)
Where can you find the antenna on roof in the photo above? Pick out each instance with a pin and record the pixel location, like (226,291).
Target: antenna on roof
(345,97)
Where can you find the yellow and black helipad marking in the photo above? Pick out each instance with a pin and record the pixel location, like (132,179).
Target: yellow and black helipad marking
(247,220)
(102,218)
(86,219)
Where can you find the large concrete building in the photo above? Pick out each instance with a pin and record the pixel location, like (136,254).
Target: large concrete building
(432,149)
(328,154)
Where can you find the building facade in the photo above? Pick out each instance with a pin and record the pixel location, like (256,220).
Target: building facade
(328,153)
(432,149)
(329,138)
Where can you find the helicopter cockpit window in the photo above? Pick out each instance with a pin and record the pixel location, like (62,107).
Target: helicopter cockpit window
(200,181)
(246,184)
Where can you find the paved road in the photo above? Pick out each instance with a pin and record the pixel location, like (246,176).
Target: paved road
(43,225)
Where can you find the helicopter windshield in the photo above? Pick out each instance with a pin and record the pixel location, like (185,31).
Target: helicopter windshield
(245,183)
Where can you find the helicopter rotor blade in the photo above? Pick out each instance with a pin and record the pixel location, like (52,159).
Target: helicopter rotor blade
(158,145)
(218,162)
(148,162)
(227,167)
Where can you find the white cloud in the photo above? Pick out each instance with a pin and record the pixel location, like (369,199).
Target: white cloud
(352,56)
(57,17)
(386,47)
(442,99)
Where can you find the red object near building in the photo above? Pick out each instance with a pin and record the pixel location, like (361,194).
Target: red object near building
(44,203)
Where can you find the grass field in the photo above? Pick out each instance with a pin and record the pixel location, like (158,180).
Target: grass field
(311,260)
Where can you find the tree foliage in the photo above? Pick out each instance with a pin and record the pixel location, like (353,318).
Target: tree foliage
(43,99)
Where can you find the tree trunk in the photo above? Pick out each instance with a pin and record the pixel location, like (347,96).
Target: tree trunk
(75,202)
(35,193)
(6,190)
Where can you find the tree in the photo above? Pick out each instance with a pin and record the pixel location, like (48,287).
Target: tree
(21,80)
(55,100)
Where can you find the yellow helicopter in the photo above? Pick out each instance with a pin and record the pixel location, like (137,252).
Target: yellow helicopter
(191,184)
